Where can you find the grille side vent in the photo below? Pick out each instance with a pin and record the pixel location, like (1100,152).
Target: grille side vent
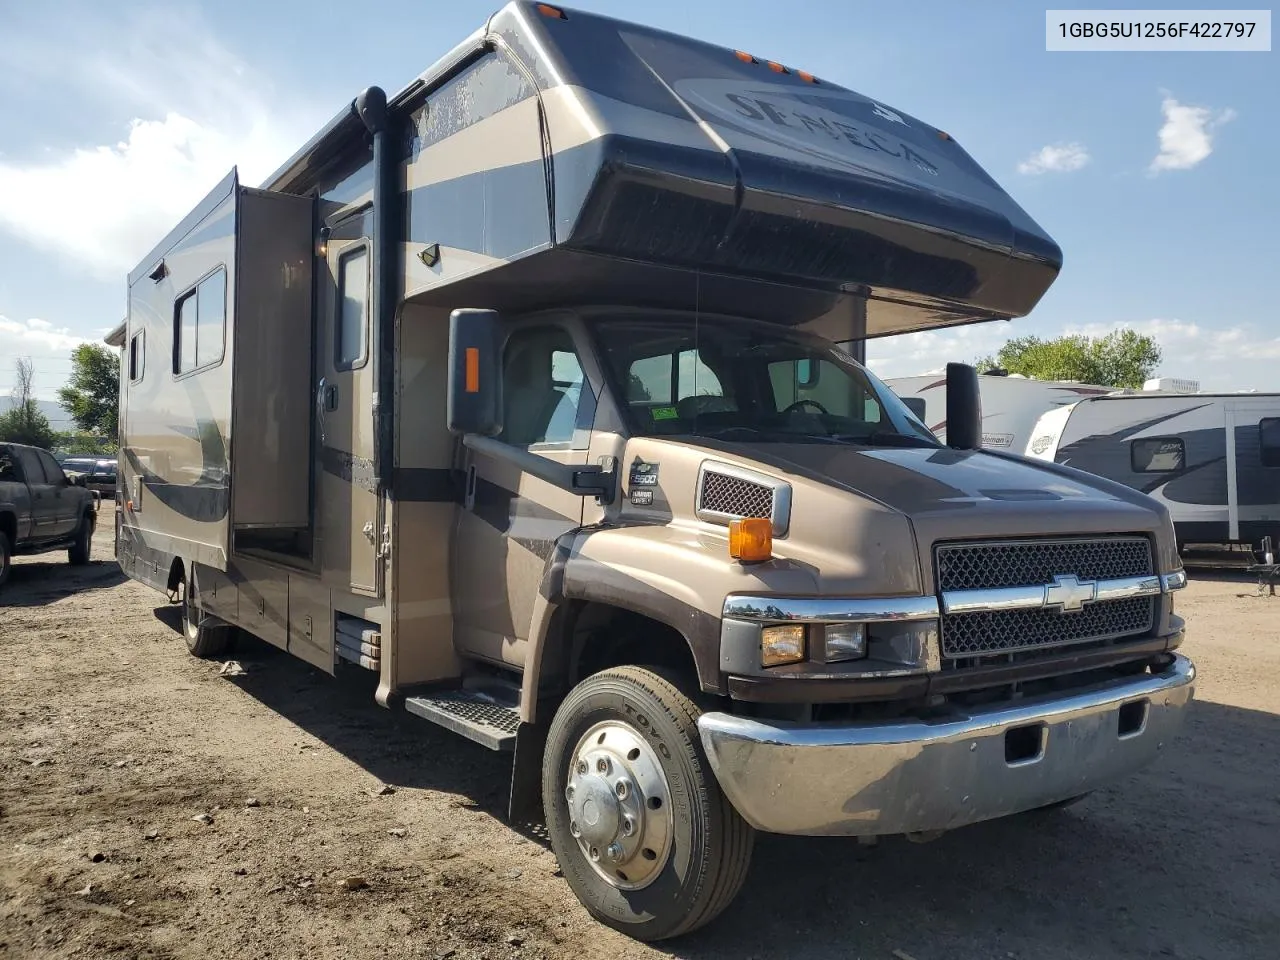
(727,493)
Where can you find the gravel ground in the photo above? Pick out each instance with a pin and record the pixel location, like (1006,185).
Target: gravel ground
(151,807)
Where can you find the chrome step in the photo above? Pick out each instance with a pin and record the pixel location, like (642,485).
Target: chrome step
(474,715)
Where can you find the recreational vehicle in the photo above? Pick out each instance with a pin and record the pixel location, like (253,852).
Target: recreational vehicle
(1011,405)
(518,388)
(1212,459)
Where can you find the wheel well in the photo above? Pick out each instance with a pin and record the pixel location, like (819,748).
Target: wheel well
(597,636)
(176,573)
(9,525)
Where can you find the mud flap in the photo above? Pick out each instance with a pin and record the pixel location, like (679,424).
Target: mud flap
(525,803)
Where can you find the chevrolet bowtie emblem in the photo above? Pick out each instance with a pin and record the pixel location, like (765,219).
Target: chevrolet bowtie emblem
(1068,593)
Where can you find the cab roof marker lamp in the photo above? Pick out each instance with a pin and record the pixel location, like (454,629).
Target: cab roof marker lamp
(554,13)
(776,67)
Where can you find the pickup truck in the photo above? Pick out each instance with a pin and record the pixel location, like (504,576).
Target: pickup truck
(40,508)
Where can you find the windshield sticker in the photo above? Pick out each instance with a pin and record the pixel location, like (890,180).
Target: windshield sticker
(664,413)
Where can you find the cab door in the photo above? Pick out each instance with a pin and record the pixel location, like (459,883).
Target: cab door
(65,498)
(510,521)
(44,511)
(348,503)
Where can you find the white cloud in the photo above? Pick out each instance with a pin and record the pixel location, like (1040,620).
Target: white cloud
(1186,137)
(191,111)
(1241,356)
(34,336)
(1055,158)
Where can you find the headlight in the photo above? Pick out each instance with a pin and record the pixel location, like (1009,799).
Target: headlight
(779,645)
(845,641)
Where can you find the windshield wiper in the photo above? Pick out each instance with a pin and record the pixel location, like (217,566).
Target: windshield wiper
(778,436)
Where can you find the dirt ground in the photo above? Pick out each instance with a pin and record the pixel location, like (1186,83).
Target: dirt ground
(113,739)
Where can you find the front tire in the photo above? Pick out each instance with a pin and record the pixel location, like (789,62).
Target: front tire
(82,545)
(206,638)
(645,837)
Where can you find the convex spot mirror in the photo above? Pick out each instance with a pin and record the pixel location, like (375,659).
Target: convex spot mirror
(474,403)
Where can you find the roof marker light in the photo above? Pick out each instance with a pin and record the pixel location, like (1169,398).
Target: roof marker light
(549,11)
(777,67)
(745,57)
(806,76)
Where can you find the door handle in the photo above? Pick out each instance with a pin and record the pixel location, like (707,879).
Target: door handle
(326,400)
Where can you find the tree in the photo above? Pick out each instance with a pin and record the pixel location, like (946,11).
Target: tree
(23,422)
(93,395)
(1124,358)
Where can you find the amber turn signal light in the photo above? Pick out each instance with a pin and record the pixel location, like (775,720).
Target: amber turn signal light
(549,11)
(751,539)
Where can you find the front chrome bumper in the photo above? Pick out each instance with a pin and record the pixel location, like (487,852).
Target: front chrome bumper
(908,776)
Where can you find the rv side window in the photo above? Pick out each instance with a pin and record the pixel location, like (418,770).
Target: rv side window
(546,396)
(1269,441)
(1158,454)
(199,325)
(353,309)
(136,356)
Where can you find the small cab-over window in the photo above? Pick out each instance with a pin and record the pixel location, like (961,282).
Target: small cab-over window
(137,345)
(1158,454)
(199,324)
(1269,441)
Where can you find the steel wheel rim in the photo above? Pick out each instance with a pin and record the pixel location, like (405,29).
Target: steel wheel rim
(190,625)
(619,803)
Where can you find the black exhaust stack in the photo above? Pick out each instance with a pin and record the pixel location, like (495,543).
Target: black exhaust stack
(964,407)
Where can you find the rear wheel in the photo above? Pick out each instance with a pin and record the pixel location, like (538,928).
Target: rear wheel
(646,839)
(82,545)
(205,636)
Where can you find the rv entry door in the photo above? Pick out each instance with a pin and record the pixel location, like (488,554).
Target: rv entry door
(347,497)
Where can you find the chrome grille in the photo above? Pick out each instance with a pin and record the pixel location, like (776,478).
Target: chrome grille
(1008,631)
(734,496)
(996,564)
(984,566)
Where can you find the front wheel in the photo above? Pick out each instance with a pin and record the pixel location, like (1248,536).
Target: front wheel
(6,555)
(205,636)
(82,545)
(645,837)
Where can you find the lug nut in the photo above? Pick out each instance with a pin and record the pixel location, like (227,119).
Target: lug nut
(574,829)
(568,793)
(622,788)
(582,767)
(595,853)
(628,826)
(615,852)
(603,765)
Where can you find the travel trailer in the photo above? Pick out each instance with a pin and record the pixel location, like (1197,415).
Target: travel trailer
(1213,459)
(1011,405)
(519,389)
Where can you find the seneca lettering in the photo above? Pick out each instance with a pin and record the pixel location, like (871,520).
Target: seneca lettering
(875,138)
(851,134)
(820,124)
(773,113)
(744,106)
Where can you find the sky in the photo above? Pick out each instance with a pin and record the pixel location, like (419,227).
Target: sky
(1153,171)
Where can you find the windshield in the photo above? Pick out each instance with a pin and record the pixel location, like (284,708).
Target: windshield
(742,380)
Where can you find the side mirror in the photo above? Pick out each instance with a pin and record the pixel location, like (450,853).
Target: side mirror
(916,405)
(474,404)
(964,407)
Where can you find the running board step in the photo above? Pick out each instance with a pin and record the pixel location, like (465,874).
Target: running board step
(473,715)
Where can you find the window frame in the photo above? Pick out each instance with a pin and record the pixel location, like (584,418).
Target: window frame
(1182,447)
(138,356)
(357,248)
(588,397)
(188,293)
(20,455)
(1263,449)
(60,478)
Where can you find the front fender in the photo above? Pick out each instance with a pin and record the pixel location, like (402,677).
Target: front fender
(673,574)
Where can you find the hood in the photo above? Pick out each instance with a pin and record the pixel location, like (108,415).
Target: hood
(961,494)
